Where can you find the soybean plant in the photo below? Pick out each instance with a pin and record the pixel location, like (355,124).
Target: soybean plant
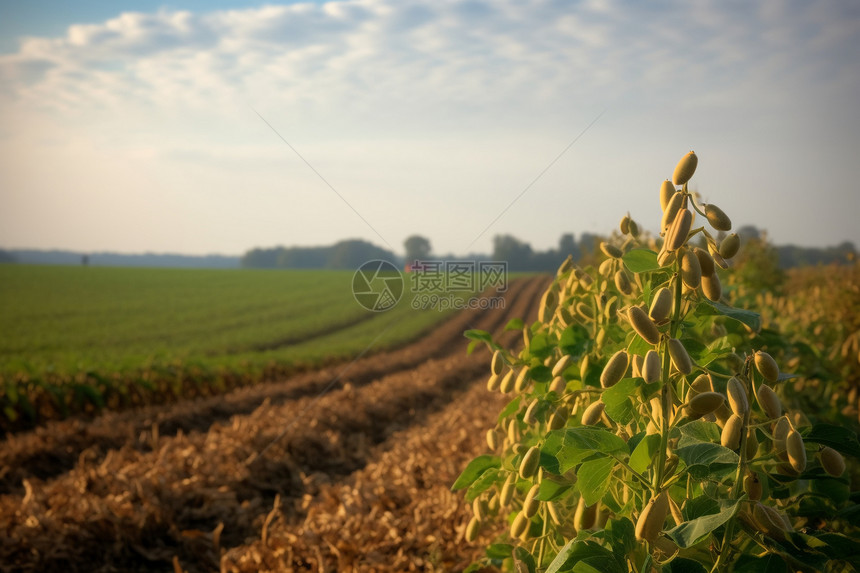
(645,430)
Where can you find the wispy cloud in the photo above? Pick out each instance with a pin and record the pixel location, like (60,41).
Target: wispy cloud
(440,53)
(354,78)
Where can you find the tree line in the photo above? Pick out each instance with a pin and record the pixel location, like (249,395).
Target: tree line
(351,254)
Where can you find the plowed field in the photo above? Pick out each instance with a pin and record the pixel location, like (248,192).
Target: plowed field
(339,469)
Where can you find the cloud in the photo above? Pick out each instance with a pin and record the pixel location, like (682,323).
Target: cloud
(468,93)
(368,54)
(17,70)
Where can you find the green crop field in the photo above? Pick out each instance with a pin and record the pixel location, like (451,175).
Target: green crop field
(83,338)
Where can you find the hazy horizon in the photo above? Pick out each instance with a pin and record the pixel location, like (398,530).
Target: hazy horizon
(133,127)
(400,252)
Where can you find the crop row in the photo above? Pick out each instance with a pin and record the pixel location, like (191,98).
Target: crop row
(812,318)
(79,340)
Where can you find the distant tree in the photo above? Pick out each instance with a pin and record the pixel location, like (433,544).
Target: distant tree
(748,233)
(588,248)
(757,265)
(303,258)
(794,256)
(353,253)
(521,257)
(6,257)
(85,260)
(349,254)
(546,261)
(517,254)
(846,247)
(261,258)
(846,252)
(567,245)
(417,248)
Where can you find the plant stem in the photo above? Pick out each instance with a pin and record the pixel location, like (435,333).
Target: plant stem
(666,397)
(665,401)
(676,310)
(735,493)
(696,207)
(694,232)
(544,512)
(636,474)
(742,463)
(718,562)
(715,373)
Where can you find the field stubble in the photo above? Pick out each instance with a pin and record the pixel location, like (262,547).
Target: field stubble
(361,481)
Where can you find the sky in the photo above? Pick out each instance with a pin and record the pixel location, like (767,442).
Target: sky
(217,126)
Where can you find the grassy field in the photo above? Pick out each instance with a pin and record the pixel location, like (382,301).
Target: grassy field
(88,337)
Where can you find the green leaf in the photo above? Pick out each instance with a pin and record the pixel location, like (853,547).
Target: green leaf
(684,565)
(621,537)
(641,260)
(523,560)
(515,324)
(747,317)
(706,454)
(572,445)
(850,513)
(541,346)
(695,349)
(12,392)
(634,440)
(651,390)
(638,345)
(703,460)
(832,489)
(512,407)
(644,453)
(584,567)
(474,470)
(593,479)
(699,432)
(700,506)
(549,463)
(768,564)
(540,373)
(10,413)
(617,400)
(550,490)
(841,547)
(574,340)
(806,549)
(692,532)
(86,393)
(717,349)
(582,556)
(481,335)
(499,551)
(840,439)
(592,374)
(482,484)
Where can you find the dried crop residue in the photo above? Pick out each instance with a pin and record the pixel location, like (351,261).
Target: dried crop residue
(396,514)
(161,497)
